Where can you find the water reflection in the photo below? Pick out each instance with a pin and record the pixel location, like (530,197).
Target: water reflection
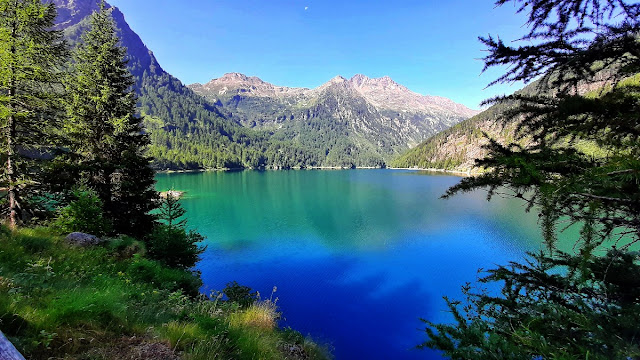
(357,256)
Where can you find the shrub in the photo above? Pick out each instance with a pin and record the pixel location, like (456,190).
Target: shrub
(83,214)
(175,246)
(240,294)
(125,247)
(152,272)
(170,242)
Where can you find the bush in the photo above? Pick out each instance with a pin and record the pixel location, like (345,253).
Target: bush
(240,294)
(174,246)
(149,271)
(170,243)
(83,214)
(261,315)
(125,247)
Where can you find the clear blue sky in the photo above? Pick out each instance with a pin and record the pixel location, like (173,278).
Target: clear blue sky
(427,45)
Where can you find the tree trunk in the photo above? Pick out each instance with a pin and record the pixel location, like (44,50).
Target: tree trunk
(7,350)
(14,205)
(14,199)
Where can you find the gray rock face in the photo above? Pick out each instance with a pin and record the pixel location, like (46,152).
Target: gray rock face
(359,121)
(83,240)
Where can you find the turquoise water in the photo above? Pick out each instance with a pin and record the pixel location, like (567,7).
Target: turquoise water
(357,256)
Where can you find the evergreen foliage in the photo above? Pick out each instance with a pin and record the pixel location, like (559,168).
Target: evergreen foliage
(174,246)
(106,137)
(170,211)
(83,214)
(560,307)
(586,56)
(595,41)
(170,242)
(32,56)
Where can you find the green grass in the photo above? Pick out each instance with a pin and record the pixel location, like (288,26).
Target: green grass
(59,301)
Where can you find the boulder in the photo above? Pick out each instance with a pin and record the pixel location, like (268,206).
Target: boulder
(7,350)
(82,239)
(173,193)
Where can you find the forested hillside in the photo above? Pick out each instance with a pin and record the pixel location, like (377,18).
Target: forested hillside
(458,147)
(339,128)
(360,121)
(186,131)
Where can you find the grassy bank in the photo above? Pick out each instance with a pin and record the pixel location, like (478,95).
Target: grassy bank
(110,302)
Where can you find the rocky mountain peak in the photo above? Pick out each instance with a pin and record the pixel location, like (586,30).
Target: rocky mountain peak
(71,12)
(383,93)
(72,18)
(238,83)
(338,80)
(234,76)
(235,79)
(359,79)
(386,80)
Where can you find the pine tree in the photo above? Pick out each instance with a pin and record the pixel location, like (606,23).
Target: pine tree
(585,59)
(106,136)
(31,58)
(170,211)
(584,166)
(171,242)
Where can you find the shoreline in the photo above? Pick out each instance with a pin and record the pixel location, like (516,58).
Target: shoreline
(458,172)
(455,172)
(167,171)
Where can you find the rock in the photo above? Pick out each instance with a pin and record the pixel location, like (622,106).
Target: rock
(82,239)
(173,193)
(7,350)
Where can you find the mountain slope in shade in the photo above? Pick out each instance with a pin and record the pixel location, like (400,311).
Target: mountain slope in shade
(378,110)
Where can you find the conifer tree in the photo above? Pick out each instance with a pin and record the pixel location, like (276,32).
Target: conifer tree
(106,136)
(171,242)
(32,55)
(171,211)
(585,58)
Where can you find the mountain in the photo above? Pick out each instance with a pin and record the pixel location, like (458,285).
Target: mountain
(245,122)
(458,147)
(378,117)
(186,131)
(396,107)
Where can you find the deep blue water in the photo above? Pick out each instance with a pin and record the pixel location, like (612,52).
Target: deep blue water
(357,256)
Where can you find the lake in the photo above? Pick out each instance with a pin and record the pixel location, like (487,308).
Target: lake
(357,256)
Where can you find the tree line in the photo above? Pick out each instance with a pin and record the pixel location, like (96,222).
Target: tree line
(74,151)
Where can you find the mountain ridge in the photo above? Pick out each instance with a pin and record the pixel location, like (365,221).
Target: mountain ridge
(458,147)
(243,121)
(384,106)
(365,85)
